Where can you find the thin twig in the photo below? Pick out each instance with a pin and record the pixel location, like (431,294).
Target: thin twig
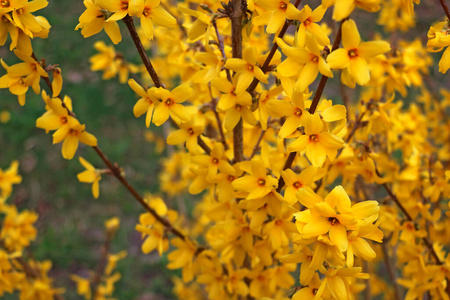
(221,48)
(115,169)
(265,66)
(101,263)
(390,270)
(203,145)
(445,7)
(410,219)
(137,42)
(312,109)
(236,16)
(30,272)
(216,114)
(256,147)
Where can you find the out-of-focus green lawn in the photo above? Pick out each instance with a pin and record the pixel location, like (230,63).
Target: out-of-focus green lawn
(70,224)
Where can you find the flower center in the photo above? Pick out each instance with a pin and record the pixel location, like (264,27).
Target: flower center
(352,53)
(297,184)
(313,138)
(315,59)
(307,22)
(124,5)
(215,160)
(261,182)
(73,132)
(250,67)
(169,102)
(64,120)
(283,6)
(298,112)
(238,107)
(333,220)
(5,3)
(190,131)
(147,11)
(231,178)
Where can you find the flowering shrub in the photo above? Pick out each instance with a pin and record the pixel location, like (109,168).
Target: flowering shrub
(298,196)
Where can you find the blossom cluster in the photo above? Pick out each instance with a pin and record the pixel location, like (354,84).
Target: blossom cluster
(299,195)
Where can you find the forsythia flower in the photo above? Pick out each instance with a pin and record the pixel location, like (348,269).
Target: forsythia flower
(353,57)
(7,179)
(93,20)
(438,38)
(317,142)
(71,135)
(91,175)
(246,69)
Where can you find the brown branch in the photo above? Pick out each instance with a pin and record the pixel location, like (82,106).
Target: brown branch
(30,272)
(216,114)
(445,7)
(144,57)
(390,270)
(101,263)
(265,66)
(355,127)
(118,174)
(312,109)
(236,15)
(203,145)
(287,165)
(221,47)
(323,78)
(256,148)
(410,219)
(115,169)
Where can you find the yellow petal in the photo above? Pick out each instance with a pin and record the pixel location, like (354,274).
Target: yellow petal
(338,59)
(372,49)
(359,70)
(338,236)
(69,147)
(350,34)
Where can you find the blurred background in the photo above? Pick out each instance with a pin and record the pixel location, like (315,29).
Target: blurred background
(71,221)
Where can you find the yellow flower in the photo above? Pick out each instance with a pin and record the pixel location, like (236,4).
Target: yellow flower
(246,68)
(56,115)
(8,178)
(309,20)
(83,286)
(258,183)
(235,103)
(353,57)
(112,261)
(293,110)
(93,20)
(71,135)
(438,38)
(150,12)
(276,14)
(343,8)
(188,133)
(201,24)
(317,142)
(90,175)
(24,19)
(170,104)
(294,182)
(120,8)
(18,228)
(308,59)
